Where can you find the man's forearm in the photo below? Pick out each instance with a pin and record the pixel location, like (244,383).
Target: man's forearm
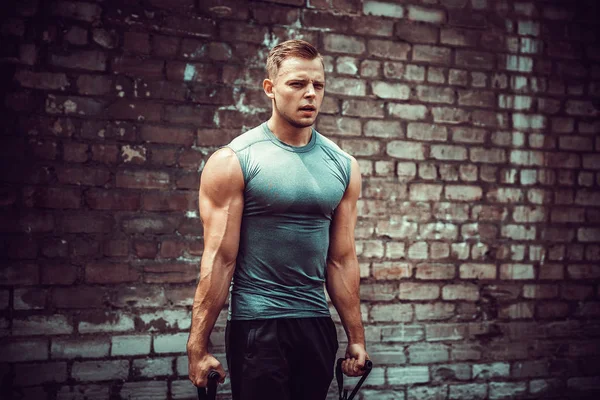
(209,299)
(343,280)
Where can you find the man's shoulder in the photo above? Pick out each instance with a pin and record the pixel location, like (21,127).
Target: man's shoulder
(247,139)
(327,143)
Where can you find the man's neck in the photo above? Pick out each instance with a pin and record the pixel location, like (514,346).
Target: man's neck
(289,134)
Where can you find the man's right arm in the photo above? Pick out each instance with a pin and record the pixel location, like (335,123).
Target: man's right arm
(221,202)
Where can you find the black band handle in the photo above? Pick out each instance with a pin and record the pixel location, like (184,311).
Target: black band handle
(339,375)
(210,392)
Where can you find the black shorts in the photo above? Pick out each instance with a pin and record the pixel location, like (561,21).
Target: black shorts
(281,359)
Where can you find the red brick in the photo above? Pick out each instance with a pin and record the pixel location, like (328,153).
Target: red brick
(136,42)
(151,224)
(416,33)
(145,248)
(434,311)
(191,72)
(78,297)
(418,291)
(244,32)
(180,296)
(180,5)
(137,110)
(75,105)
(390,270)
(171,273)
(75,152)
(516,311)
(164,46)
(58,274)
(190,226)
(177,248)
(219,96)
(461,291)
(188,26)
(91,60)
(82,176)
(83,247)
(116,248)
(477,271)
(552,310)
(193,49)
(23,350)
(576,292)
(463,192)
(171,201)
(450,115)
(191,160)
(388,49)
(167,135)
(459,37)
(58,198)
(540,291)
(54,248)
(477,98)
(87,222)
(87,12)
(489,213)
(266,14)
(431,54)
(372,26)
(583,271)
(435,271)
(20,274)
(100,321)
(100,199)
(22,247)
(161,156)
(228,119)
(588,309)
(176,91)
(138,67)
(194,115)
(143,296)
(41,80)
(188,180)
(27,222)
(434,94)
(94,85)
(142,179)
(106,154)
(104,272)
(447,332)
(27,299)
(76,35)
(43,149)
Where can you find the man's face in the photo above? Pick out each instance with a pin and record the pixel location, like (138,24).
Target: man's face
(298,90)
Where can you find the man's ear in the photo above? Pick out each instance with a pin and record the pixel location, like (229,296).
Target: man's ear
(268,88)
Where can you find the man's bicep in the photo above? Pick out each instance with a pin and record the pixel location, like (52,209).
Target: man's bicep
(344,218)
(221,203)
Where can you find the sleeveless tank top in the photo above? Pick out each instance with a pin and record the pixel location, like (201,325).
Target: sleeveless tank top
(290,195)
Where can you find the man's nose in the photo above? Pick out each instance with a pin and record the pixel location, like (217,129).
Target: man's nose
(310,90)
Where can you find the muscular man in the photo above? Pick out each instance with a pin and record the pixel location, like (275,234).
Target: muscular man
(278,206)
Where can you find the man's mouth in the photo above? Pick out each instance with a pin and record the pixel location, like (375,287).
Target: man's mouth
(308,108)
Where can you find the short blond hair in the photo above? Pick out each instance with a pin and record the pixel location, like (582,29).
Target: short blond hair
(287,49)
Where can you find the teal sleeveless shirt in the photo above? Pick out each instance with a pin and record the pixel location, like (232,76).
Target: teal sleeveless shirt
(290,195)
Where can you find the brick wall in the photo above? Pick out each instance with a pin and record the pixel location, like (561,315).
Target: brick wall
(476,126)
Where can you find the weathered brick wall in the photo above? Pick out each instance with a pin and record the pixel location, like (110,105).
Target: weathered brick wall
(476,126)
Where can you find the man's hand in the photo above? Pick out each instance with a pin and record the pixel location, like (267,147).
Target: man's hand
(356,356)
(199,367)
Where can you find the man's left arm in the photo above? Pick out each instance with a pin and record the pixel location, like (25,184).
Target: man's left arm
(343,275)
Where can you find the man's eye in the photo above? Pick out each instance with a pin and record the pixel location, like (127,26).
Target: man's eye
(319,87)
(296,84)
